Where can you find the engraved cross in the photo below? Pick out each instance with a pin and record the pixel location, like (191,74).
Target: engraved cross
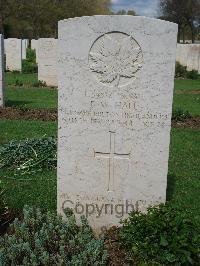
(112,156)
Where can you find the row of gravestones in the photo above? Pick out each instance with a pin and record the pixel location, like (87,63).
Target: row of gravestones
(46,57)
(115,86)
(14,50)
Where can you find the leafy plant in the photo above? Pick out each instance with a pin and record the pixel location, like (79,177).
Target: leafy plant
(193,74)
(165,235)
(182,72)
(16,72)
(180,115)
(31,55)
(29,67)
(29,64)
(18,83)
(26,157)
(40,83)
(46,239)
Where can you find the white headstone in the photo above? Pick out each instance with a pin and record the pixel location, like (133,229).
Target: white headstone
(182,54)
(47,61)
(189,55)
(24,47)
(193,62)
(13,54)
(116,77)
(27,43)
(34,46)
(1,71)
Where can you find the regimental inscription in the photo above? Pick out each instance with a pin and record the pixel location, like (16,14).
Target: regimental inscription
(115,58)
(129,115)
(112,156)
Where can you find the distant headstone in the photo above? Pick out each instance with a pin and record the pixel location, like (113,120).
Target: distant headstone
(13,54)
(34,46)
(116,78)
(189,55)
(47,61)
(24,47)
(193,62)
(1,71)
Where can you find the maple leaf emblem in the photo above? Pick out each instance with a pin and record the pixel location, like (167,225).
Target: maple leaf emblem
(115,58)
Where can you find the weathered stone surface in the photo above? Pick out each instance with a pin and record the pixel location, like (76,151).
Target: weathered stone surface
(47,60)
(1,71)
(116,77)
(13,54)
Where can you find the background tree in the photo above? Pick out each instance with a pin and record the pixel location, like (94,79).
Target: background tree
(7,9)
(185,13)
(39,18)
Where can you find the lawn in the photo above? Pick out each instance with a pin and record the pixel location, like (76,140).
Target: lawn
(38,98)
(11,78)
(182,84)
(13,129)
(187,102)
(184,168)
(40,189)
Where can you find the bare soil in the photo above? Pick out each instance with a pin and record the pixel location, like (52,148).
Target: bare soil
(193,122)
(10,113)
(6,220)
(31,86)
(187,92)
(117,255)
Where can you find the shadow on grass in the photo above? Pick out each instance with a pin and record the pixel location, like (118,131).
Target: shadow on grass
(171,180)
(10,103)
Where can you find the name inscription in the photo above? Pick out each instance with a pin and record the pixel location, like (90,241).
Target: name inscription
(125,114)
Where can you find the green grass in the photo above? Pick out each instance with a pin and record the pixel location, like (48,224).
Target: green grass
(13,129)
(187,84)
(10,78)
(38,190)
(187,102)
(184,169)
(33,98)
